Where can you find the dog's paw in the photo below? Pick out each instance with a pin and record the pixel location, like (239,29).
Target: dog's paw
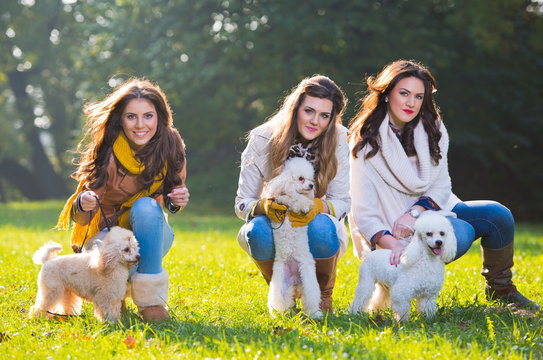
(317,314)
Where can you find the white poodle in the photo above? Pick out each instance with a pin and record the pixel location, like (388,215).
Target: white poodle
(420,274)
(99,276)
(294,266)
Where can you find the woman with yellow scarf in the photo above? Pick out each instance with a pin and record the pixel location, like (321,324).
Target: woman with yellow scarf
(132,164)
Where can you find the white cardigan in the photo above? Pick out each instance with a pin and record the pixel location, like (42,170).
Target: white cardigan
(256,169)
(386,185)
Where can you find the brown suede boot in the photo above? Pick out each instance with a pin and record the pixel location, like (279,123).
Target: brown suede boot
(497,264)
(155,313)
(266,268)
(326,276)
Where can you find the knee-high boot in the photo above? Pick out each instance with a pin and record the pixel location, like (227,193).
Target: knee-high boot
(266,268)
(150,294)
(326,277)
(497,264)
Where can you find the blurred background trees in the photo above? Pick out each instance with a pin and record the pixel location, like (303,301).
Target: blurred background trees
(226,65)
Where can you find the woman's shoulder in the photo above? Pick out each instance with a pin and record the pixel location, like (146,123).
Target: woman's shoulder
(262,131)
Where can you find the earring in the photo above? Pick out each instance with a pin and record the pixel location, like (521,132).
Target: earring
(386,100)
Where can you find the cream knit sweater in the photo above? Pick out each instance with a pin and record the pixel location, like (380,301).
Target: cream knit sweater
(386,185)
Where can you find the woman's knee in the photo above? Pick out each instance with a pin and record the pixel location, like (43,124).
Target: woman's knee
(323,239)
(145,208)
(465,236)
(259,238)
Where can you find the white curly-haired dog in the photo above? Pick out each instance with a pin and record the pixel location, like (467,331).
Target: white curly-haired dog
(419,276)
(294,266)
(99,276)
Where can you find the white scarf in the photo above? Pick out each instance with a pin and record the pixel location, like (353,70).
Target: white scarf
(395,167)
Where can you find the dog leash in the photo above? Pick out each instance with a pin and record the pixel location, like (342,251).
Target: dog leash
(78,250)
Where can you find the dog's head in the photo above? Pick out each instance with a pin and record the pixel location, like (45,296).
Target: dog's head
(434,236)
(294,186)
(119,247)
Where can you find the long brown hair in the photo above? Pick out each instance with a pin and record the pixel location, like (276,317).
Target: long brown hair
(104,126)
(285,129)
(364,127)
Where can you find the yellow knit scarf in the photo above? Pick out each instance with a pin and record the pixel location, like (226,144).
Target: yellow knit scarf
(126,156)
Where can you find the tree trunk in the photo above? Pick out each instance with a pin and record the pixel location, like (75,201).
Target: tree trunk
(45,181)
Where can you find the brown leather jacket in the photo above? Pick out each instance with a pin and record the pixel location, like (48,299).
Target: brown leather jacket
(121,185)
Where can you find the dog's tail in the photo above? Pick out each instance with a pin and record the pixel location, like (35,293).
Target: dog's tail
(46,252)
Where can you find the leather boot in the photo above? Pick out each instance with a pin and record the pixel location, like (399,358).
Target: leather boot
(497,264)
(150,294)
(326,277)
(266,268)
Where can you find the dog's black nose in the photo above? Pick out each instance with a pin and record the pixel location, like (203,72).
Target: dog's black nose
(439,242)
(311,186)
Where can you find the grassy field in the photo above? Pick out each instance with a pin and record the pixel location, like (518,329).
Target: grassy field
(218,303)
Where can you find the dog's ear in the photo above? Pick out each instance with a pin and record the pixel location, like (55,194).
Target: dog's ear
(412,252)
(449,248)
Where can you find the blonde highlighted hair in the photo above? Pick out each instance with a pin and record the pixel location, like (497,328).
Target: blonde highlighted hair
(285,129)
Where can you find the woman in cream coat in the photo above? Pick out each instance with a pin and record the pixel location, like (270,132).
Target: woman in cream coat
(399,170)
(308,125)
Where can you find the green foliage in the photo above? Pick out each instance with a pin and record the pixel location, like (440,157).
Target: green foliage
(225,66)
(218,302)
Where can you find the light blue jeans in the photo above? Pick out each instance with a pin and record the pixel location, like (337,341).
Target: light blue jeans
(488,220)
(154,235)
(323,239)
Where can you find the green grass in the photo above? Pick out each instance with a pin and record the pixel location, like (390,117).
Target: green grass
(218,303)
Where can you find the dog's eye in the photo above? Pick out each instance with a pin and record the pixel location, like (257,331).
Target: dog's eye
(429,234)
(126,250)
(442,233)
(301,178)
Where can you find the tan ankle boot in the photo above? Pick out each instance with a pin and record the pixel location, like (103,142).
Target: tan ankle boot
(326,276)
(150,294)
(497,264)
(266,268)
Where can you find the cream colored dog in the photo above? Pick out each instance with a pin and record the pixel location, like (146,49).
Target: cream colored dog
(294,266)
(99,276)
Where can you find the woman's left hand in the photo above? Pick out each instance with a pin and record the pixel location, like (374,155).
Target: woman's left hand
(179,196)
(404,227)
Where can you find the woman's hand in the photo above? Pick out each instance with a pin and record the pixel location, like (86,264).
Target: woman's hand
(87,200)
(404,226)
(179,196)
(396,247)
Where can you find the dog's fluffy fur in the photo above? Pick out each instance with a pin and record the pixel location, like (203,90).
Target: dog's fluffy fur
(294,266)
(99,276)
(419,276)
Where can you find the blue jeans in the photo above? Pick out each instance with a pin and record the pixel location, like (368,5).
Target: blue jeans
(488,220)
(323,239)
(154,235)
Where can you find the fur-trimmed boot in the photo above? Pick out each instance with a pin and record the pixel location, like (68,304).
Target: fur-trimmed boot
(497,264)
(150,294)
(326,277)
(266,268)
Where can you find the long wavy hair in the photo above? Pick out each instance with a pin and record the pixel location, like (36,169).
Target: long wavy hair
(364,127)
(104,125)
(285,129)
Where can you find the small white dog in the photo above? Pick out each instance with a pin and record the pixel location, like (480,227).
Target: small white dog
(294,266)
(99,276)
(419,276)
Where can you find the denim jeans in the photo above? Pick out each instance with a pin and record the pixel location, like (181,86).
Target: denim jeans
(488,220)
(321,231)
(154,235)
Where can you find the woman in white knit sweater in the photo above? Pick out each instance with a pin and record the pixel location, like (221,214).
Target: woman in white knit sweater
(399,169)
(307,125)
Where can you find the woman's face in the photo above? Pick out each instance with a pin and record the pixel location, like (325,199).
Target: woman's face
(313,117)
(139,121)
(405,100)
